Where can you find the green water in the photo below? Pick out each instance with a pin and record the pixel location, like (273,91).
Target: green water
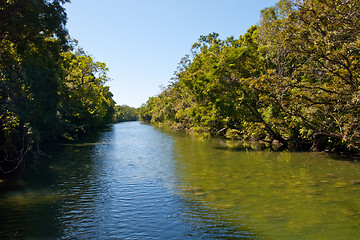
(278,195)
(134,181)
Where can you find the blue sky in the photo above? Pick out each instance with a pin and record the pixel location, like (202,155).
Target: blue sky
(142,41)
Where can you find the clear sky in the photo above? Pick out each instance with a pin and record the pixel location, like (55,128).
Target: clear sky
(142,41)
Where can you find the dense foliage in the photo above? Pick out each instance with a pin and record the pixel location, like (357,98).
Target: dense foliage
(84,101)
(49,88)
(293,79)
(125,113)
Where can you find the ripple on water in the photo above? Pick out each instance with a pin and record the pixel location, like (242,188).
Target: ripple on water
(138,182)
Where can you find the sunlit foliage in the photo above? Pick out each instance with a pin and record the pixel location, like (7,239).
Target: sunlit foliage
(293,79)
(125,113)
(47,90)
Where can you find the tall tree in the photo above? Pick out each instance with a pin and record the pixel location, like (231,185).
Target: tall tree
(85,101)
(294,78)
(325,35)
(32,35)
(312,46)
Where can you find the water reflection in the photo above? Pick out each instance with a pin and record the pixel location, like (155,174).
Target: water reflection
(134,181)
(281,195)
(120,184)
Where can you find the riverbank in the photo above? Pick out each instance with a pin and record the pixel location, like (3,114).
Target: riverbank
(134,180)
(296,85)
(235,143)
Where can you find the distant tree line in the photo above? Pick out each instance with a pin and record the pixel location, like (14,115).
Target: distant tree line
(125,113)
(50,88)
(293,78)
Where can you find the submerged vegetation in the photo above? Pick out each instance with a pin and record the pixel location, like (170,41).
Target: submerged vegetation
(293,79)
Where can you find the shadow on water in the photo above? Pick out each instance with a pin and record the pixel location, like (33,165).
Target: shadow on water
(29,205)
(284,195)
(133,181)
(112,184)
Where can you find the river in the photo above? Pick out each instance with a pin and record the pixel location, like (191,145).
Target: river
(134,181)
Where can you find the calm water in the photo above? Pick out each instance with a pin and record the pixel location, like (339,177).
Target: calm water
(134,181)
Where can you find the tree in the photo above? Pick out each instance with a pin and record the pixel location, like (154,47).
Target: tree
(294,79)
(314,58)
(32,35)
(84,100)
(125,113)
(325,35)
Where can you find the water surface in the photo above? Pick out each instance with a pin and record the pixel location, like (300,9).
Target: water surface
(134,181)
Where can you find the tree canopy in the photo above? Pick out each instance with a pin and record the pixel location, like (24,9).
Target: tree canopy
(49,88)
(125,113)
(293,78)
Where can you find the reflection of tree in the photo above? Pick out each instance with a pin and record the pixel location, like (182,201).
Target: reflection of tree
(268,190)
